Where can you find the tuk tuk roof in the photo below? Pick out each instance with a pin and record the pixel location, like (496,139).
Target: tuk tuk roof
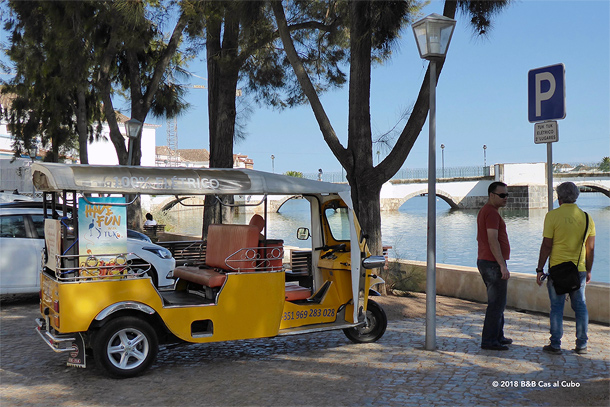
(51,177)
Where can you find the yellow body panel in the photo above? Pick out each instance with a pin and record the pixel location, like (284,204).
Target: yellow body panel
(249,305)
(338,294)
(81,302)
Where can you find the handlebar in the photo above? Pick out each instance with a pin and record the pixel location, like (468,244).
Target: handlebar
(331,249)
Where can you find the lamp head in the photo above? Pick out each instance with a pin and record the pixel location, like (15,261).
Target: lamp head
(433,35)
(133,127)
(33,152)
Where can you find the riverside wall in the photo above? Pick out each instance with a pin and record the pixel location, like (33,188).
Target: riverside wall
(466,283)
(523,292)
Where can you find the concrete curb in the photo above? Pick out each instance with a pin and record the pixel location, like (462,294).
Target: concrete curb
(523,292)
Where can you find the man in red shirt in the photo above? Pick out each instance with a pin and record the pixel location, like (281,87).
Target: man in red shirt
(494,251)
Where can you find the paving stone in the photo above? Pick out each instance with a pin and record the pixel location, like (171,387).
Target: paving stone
(315,369)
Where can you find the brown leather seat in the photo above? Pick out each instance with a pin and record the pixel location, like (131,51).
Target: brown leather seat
(224,253)
(258,221)
(204,276)
(296,292)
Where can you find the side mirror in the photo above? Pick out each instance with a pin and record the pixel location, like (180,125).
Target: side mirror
(303,234)
(373,262)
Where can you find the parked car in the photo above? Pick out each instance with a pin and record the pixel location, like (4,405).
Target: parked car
(22,241)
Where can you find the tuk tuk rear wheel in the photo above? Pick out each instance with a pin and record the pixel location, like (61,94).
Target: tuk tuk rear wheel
(376,324)
(125,347)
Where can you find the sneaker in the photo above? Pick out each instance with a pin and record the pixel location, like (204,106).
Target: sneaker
(494,347)
(581,351)
(506,341)
(550,349)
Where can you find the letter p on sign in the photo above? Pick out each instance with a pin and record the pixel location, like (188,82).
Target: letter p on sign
(546,93)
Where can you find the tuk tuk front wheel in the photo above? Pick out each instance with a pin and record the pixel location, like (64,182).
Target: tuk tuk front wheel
(376,324)
(125,347)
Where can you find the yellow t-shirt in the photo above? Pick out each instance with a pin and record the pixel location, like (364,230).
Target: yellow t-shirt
(566,226)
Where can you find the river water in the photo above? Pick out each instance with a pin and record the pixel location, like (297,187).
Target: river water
(456,243)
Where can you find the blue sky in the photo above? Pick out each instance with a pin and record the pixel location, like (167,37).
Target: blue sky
(481,95)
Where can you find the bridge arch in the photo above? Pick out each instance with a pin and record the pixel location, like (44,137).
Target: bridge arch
(169,203)
(276,205)
(453,203)
(597,187)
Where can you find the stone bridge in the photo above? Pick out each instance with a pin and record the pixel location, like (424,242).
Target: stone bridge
(526,185)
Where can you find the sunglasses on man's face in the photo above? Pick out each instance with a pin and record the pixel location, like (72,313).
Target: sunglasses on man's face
(501,195)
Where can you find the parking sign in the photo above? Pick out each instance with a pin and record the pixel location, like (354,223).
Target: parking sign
(546,93)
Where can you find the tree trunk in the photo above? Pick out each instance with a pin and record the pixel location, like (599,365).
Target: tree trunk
(81,125)
(223,74)
(365,188)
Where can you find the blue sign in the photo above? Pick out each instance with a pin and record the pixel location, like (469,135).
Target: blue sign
(546,93)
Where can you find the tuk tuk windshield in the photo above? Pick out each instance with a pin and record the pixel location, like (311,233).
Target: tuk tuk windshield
(338,223)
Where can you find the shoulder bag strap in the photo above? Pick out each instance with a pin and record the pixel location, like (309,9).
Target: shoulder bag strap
(583,237)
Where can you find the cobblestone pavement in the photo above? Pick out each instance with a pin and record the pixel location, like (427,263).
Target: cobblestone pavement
(314,369)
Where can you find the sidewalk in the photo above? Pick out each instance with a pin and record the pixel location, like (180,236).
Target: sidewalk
(326,369)
(461,373)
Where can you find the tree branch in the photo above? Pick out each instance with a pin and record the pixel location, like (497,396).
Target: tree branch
(393,161)
(325,126)
(164,61)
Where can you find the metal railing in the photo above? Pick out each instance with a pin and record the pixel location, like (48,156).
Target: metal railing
(455,172)
(414,173)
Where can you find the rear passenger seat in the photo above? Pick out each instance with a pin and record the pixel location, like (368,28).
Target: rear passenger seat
(223,242)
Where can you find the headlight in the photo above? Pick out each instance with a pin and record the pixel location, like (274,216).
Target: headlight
(159,251)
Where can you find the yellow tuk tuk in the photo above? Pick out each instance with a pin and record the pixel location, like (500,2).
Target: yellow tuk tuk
(96,301)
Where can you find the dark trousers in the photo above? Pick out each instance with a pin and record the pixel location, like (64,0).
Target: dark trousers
(493,327)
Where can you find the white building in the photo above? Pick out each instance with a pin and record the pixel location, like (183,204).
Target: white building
(16,174)
(100,152)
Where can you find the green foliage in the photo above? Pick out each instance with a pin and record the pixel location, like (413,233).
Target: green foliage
(296,174)
(319,31)
(604,165)
(70,55)
(401,277)
(49,48)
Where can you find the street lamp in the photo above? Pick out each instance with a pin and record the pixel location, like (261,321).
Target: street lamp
(443,158)
(33,152)
(272,163)
(132,128)
(484,159)
(432,35)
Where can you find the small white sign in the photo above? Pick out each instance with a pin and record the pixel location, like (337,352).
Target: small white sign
(546,132)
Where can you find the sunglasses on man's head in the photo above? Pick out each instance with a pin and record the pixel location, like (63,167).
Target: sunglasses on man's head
(501,195)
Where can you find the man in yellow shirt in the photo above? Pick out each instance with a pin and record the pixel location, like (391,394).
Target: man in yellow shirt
(563,233)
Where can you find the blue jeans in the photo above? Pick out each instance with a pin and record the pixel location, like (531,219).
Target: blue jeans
(579,305)
(493,326)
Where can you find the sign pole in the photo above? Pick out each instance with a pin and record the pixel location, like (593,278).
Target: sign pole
(546,101)
(549,173)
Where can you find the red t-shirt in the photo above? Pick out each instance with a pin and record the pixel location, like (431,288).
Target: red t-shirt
(489,218)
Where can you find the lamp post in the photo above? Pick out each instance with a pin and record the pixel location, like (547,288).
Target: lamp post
(432,35)
(132,128)
(484,159)
(272,163)
(443,158)
(33,152)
